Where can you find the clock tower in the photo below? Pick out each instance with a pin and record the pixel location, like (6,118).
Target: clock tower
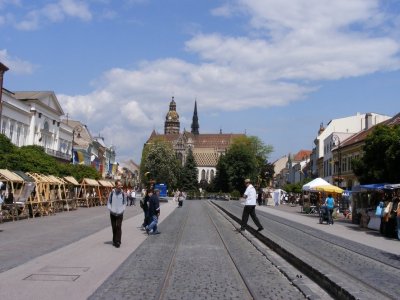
(172,124)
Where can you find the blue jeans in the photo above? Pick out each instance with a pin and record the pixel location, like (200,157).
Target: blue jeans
(153,224)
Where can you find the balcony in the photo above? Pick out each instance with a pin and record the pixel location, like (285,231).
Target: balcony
(58,154)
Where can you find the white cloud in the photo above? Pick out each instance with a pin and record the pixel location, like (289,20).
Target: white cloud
(297,42)
(53,12)
(15,64)
(78,9)
(291,47)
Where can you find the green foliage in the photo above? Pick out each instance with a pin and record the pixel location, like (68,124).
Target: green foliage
(79,171)
(221,179)
(160,164)
(293,187)
(6,147)
(381,158)
(246,158)
(34,159)
(189,177)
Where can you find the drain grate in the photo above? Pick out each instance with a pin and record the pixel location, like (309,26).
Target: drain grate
(57,273)
(51,277)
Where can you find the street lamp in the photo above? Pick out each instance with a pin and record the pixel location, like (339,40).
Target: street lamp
(336,140)
(3,69)
(77,129)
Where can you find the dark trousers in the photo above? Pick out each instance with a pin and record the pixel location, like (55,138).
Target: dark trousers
(250,210)
(330,211)
(116,225)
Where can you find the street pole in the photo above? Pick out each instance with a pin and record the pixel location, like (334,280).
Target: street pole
(336,139)
(3,69)
(78,129)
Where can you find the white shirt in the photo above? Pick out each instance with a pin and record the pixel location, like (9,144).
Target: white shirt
(251,195)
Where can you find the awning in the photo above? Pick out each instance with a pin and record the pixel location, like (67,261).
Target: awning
(9,176)
(90,182)
(369,187)
(71,179)
(329,189)
(106,183)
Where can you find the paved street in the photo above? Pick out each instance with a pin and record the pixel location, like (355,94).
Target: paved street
(197,255)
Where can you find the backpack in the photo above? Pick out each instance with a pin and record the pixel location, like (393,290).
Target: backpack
(110,198)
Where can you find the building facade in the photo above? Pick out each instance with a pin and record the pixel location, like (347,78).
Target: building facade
(34,118)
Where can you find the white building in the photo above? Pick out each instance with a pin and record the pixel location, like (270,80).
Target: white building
(336,131)
(34,118)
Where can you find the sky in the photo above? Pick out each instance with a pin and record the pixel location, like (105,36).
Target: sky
(275,69)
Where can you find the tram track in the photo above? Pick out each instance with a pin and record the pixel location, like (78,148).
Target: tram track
(338,281)
(224,229)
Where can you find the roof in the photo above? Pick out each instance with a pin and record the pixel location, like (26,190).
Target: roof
(90,182)
(302,155)
(204,159)
(361,136)
(40,96)
(71,179)
(82,135)
(10,176)
(207,140)
(105,183)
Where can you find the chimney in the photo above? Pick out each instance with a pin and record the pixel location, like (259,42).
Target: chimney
(368,121)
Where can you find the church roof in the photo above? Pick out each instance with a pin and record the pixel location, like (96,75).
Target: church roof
(204,159)
(209,140)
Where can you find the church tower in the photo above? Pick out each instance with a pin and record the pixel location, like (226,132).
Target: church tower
(172,124)
(195,120)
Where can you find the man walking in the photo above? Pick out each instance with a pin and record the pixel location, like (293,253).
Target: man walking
(116,204)
(250,206)
(154,212)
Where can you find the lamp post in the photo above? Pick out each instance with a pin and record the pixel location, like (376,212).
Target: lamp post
(3,69)
(77,129)
(336,140)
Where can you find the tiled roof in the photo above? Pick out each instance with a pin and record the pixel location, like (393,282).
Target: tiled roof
(204,159)
(302,155)
(217,140)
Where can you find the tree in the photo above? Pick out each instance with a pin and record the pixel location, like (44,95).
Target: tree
(246,158)
(221,179)
(159,161)
(381,158)
(6,147)
(33,159)
(189,178)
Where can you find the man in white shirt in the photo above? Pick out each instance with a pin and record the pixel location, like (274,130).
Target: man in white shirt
(250,206)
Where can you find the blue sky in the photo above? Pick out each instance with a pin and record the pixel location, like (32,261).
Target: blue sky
(275,69)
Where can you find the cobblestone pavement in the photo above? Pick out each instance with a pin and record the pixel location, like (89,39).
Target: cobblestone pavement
(342,261)
(24,240)
(198,255)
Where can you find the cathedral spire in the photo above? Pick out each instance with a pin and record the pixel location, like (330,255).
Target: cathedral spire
(195,120)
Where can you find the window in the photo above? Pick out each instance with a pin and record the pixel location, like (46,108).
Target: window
(3,127)
(18,135)
(11,131)
(203,174)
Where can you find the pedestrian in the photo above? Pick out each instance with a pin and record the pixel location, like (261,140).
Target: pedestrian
(144,204)
(181,197)
(128,197)
(116,204)
(330,204)
(250,206)
(260,196)
(154,212)
(133,197)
